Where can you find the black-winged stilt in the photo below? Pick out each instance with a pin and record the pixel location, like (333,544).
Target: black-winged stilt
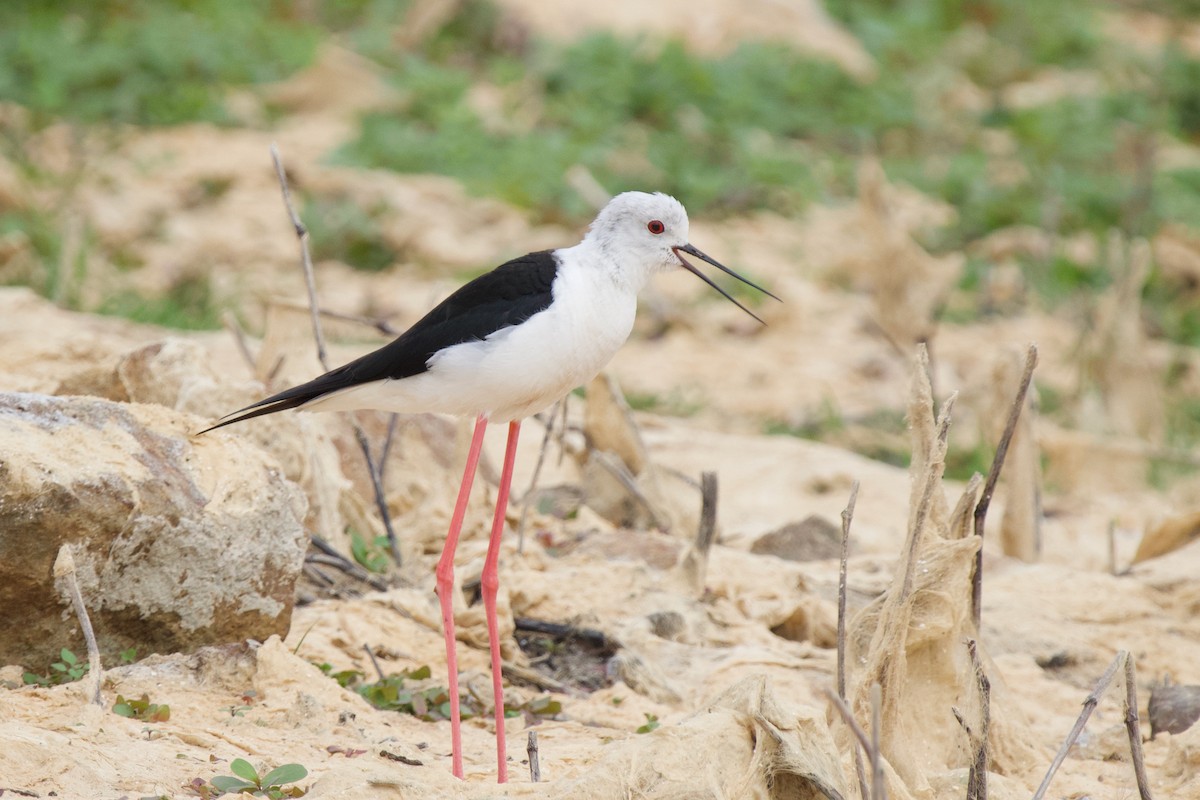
(503,347)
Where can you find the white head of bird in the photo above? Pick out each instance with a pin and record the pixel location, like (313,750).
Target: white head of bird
(637,230)
(640,234)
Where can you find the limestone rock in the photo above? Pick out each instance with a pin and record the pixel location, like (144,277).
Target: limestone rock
(179,542)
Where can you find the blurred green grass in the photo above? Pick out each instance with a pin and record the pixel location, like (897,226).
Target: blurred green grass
(143,62)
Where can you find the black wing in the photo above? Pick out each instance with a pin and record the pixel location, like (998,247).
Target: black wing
(508,295)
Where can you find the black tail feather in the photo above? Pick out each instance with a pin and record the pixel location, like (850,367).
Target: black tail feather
(288,398)
(258,410)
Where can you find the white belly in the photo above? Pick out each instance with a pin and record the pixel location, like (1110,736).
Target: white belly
(515,372)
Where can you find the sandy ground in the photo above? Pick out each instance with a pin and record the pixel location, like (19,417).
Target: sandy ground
(749,650)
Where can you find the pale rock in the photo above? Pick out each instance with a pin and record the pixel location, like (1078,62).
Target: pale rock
(179,542)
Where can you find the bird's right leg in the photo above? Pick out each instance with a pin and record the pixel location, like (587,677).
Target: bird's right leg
(445,590)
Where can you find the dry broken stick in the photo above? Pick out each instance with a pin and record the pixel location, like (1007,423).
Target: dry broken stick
(331,557)
(319,336)
(531,748)
(878,789)
(864,744)
(847,518)
(64,569)
(1123,659)
(695,561)
(989,487)
(537,472)
(977,778)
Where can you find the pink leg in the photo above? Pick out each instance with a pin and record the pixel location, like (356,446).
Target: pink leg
(445,591)
(489,586)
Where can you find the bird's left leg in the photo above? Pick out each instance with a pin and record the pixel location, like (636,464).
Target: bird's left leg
(445,591)
(489,586)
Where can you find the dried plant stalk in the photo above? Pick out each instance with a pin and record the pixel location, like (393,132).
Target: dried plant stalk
(373,470)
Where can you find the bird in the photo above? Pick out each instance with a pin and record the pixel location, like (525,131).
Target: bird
(501,348)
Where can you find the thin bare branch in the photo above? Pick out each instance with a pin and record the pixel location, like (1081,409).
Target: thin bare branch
(864,744)
(375,473)
(537,473)
(977,779)
(531,748)
(64,569)
(1134,730)
(305,257)
(331,557)
(1089,705)
(378,323)
(318,335)
(519,674)
(388,440)
(860,735)
(375,663)
(878,788)
(847,518)
(989,486)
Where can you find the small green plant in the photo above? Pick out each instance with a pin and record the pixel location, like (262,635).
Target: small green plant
(142,709)
(246,780)
(68,670)
(345,678)
(128,656)
(651,724)
(431,703)
(371,555)
(240,709)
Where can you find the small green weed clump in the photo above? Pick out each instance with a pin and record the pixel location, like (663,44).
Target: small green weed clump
(430,703)
(67,670)
(142,709)
(246,780)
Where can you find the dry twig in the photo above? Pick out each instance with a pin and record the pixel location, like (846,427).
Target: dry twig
(864,744)
(64,568)
(535,769)
(878,791)
(319,336)
(989,487)
(331,557)
(1131,725)
(537,472)
(519,674)
(694,564)
(847,518)
(977,779)
(375,663)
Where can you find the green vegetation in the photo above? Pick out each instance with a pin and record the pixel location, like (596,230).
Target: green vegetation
(67,670)
(144,62)
(246,780)
(188,305)
(342,229)
(650,724)
(430,702)
(142,709)
(374,555)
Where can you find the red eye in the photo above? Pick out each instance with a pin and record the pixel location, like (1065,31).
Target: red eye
(655,226)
